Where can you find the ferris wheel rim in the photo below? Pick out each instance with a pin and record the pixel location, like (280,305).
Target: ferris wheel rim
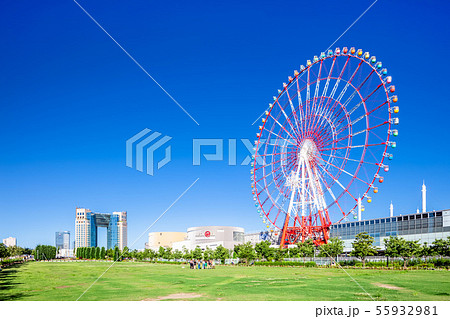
(366,145)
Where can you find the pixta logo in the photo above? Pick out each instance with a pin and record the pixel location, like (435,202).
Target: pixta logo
(142,147)
(145,142)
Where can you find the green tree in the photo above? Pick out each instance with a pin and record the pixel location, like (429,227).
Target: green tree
(97,253)
(161,252)
(279,254)
(246,252)
(116,253)
(125,252)
(399,247)
(221,253)
(187,254)
(411,249)
(294,252)
(197,253)
(333,248)
(425,250)
(208,253)
(177,254)
(3,251)
(168,253)
(103,253)
(134,253)
(306,248)
(150,254)
(363,247)
(263,250)
(15,251)
(110,253)
(441,247)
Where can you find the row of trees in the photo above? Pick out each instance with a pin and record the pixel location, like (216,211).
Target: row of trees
(13,251)
(363,246)
(97,253)
(148,254)
(263,251)
(44,252)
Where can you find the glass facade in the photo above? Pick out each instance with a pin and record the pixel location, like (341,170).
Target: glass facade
(62,239)
(425,227)
(113,232)
(86,228)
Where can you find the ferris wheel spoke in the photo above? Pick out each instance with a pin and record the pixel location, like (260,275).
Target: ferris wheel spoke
(328,188)
(294,114)
(316,92)
(337,181)
(353,146)
(281,127)
(325,89)
(349,174)
(352,160)
(263,166)
(278,136)
(271,172)
(294,130)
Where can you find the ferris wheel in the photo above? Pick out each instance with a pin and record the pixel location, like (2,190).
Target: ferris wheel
(322,144)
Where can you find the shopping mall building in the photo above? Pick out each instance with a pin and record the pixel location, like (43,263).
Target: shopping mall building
(212,237)
(424,227)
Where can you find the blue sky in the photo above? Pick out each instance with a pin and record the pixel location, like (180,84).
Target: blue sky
(70,98)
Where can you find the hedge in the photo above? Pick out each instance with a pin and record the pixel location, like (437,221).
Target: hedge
(10,262)
(286,263)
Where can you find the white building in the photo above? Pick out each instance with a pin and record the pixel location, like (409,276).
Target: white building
(82,228)
(212,237)
(122,227)
(10,241)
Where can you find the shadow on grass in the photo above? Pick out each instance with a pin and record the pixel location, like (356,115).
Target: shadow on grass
(7,277)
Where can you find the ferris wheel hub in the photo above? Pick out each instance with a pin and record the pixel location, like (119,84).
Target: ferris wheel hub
(308,150)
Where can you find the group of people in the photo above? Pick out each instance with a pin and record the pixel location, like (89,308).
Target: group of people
(202,264)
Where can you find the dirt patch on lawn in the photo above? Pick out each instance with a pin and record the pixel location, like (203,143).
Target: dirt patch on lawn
(180,296)
(62,287)
(387,286)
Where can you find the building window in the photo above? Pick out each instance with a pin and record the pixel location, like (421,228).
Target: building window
(238,236)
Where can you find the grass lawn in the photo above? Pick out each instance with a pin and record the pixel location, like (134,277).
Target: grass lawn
(139,281)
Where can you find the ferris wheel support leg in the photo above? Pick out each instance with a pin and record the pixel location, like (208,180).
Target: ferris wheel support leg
(283,235)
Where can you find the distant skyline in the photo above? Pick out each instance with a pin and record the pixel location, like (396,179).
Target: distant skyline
(71,98)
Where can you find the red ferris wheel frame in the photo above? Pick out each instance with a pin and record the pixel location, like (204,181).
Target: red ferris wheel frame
(308,138)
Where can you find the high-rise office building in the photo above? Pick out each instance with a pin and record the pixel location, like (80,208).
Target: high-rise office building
(87,223)
(62,239)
